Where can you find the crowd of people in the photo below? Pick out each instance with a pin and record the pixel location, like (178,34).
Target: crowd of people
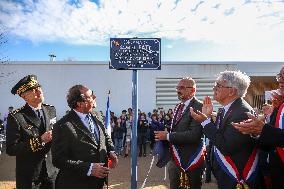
(245,148)
(121,129)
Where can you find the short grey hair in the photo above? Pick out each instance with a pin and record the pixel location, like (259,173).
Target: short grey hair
(237,80)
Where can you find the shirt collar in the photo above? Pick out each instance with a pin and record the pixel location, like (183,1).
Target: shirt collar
(186,103)
(81,115)
(226,108)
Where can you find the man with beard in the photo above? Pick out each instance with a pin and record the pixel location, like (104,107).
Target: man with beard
(29,136)
(81,146)
(270,135)
(234,155)
(185,140)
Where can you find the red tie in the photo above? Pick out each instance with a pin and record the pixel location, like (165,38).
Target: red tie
(179,112)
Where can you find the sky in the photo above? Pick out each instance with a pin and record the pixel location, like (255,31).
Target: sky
(190,30)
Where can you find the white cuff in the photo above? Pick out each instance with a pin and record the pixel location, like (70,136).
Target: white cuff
(205,122)
(168,137)
(90,169)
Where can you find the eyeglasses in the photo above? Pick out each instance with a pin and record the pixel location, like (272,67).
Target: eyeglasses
(279,76)
(217,85)
(91,97)
(182,87)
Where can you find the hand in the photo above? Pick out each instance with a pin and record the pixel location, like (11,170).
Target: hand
(198,116)
(46,137)
(114,160)
(253,125)
(276,98)
(98,170)
(160,135)
(207,107)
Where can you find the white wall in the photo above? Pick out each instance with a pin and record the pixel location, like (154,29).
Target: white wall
(57,77)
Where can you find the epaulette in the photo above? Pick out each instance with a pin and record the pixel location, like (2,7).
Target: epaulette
(17,110)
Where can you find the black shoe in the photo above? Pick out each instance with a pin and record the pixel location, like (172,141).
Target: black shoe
(125,155)
(140,154)
(144,155)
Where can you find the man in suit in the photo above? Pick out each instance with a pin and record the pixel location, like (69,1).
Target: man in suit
(29,136)
(234,154)
(81,146)
(270,135)
(185,139)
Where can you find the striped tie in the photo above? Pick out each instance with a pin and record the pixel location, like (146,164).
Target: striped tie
(92,127)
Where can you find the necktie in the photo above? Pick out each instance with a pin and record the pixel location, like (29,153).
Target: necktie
(179,111)
(220,116)
(92,127)
(42,124)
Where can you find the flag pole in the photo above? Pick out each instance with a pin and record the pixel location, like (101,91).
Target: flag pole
(107,126)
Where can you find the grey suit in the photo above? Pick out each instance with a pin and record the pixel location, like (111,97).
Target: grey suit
(186,135)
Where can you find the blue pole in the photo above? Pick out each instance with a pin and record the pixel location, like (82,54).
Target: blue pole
(134,130)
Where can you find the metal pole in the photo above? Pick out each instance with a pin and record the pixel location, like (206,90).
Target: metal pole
(134,130)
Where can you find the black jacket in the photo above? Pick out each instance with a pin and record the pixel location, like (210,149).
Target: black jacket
(23,141)
(74,149)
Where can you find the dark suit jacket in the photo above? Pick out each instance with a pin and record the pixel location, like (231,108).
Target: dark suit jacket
(231,142)
(74,149)
(269,139)
(23,141)
(186,135)
(271,136)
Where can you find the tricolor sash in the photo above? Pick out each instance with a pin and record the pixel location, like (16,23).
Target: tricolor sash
(279,124)
(230,168)
(197,157)
(194,161)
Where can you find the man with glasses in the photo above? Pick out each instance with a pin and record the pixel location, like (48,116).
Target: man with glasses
(81,146)
(185,140)
(271,135)
(29,136)
(233,156)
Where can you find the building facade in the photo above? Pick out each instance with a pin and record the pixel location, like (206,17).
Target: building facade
(156,88)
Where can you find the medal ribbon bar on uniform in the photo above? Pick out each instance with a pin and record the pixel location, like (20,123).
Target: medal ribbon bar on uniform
(279,124)
(230,168)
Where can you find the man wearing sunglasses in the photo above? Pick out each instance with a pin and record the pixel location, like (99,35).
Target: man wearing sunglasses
(81,146)
(29,136)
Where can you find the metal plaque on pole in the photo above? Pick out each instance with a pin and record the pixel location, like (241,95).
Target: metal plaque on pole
(135,54)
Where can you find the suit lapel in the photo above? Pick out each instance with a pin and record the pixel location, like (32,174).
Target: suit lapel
(47,118)
(76,121)
(229,112)
(98,123)
(31,116)
(186,110)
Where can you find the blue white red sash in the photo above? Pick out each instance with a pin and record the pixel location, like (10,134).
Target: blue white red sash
(230,168)
(280,124)
(195,160)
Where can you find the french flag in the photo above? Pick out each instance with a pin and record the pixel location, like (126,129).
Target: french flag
(107,120)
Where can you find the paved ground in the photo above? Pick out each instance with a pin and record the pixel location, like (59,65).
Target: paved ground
(120,178)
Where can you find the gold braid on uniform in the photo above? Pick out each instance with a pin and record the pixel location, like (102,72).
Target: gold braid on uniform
(36,144)
(27,86)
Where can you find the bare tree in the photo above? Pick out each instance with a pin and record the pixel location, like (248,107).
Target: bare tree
(4,59)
